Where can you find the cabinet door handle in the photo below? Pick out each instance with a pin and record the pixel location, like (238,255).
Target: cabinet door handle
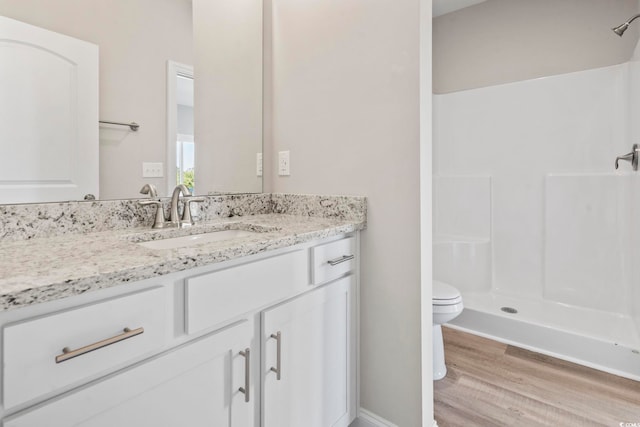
(343,258)
(67,353)
(278,369)
(247,373)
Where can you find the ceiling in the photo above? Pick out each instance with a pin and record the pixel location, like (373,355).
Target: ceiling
(441,7)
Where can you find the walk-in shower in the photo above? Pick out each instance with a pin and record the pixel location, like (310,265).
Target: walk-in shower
(532,222)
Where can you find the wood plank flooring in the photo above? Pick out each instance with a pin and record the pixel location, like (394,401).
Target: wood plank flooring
(493,384)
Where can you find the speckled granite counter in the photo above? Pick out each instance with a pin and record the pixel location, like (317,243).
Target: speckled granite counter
(49,268)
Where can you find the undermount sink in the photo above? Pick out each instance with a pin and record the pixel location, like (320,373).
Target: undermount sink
(196,239)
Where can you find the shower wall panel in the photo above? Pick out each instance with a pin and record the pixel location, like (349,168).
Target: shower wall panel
(634,125)
(462,232)
(462,206)
(518,134)
(587,241)
(634,291)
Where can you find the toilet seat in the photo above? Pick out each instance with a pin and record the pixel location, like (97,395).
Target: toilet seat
(445,294)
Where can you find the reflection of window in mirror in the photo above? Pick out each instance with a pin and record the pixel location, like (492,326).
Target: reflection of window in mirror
(180,140)
(185,156)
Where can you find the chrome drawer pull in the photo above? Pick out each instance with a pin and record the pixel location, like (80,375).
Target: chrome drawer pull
(278,369)
(67,353)
(343,258)
(247,373)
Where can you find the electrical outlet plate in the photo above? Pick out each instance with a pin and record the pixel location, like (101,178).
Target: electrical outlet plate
(259,164)
(152,170)
(283,163)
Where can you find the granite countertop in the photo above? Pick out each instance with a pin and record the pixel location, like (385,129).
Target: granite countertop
(46,269)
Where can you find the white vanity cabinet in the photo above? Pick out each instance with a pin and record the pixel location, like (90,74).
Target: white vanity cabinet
(269,340)
(308,365)
(194,385)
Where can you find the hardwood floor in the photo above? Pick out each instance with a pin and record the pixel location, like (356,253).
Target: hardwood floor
(493,384)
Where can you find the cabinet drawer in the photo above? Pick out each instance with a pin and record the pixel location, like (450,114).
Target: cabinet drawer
(33,349)
(194,386)
(215,297)
(332,260)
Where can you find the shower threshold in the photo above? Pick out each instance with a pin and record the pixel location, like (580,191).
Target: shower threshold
(600,340)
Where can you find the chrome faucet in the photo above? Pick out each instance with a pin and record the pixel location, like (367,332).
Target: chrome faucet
(175,198)
(150,189)
(187,199)
(174,216)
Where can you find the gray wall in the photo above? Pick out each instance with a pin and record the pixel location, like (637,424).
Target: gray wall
(501,41)
(227,39)
(343,85)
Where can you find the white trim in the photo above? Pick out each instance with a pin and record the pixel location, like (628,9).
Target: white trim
(426,215)
(435,423)
(355,402)
(372,420)
(184,138)
(174,69)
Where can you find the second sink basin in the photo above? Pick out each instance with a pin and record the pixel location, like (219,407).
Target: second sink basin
(196,239)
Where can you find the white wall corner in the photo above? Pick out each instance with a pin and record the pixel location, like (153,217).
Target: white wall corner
(635,56)
(369,419)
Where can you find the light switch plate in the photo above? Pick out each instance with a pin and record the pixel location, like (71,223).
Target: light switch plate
(283,163)
(152,170)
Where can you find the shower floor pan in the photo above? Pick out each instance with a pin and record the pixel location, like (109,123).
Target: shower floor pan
(605,341)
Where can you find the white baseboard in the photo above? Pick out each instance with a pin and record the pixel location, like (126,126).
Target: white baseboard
(369,419)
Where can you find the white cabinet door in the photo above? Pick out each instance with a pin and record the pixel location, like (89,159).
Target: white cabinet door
(195,385)
(48,115)
(316,387)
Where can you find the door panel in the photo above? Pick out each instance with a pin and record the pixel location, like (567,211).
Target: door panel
(316,367)
(48,115)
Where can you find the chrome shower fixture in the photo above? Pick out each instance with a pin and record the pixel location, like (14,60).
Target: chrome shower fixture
(620,29)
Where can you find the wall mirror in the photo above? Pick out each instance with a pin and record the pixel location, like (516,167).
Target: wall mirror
(140,43)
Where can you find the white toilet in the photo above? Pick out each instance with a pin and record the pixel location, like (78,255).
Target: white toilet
(447,305)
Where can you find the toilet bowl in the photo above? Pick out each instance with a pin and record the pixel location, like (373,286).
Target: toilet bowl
(447,305)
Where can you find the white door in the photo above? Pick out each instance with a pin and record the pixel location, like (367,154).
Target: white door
(195,385)
(48,115)
(316,385)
